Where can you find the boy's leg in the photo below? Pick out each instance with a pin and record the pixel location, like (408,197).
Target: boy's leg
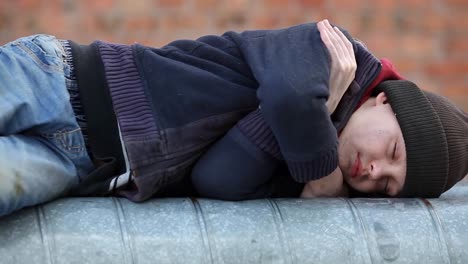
(42,150)
(33,94)
(32,171)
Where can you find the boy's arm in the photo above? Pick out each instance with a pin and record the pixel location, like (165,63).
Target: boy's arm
(292,67)
(331,186)
(343,62)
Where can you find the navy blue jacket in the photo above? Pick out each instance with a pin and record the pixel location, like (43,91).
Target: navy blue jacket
(173,103)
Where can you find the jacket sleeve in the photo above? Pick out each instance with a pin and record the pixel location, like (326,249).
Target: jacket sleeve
(234,168)
(292,68)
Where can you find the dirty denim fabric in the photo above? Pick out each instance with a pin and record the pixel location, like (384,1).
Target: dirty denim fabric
(42,150)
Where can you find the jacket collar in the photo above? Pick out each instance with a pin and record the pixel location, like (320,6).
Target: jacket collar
(370,72)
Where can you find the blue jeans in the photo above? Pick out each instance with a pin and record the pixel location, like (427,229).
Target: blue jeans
(42,150)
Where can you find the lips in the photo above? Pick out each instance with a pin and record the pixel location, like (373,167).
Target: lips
(356,169)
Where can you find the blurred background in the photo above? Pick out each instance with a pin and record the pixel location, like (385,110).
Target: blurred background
(426,39)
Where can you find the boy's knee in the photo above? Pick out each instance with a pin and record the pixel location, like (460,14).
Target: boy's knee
(208,184)
(11,179)
(216,183)
(10,182)
(11,190)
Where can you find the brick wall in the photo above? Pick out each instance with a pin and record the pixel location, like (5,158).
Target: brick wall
(427,39)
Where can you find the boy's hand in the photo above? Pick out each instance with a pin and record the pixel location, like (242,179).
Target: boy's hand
(343,63)
(329,186)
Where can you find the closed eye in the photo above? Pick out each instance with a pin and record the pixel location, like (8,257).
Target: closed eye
(394,150)
(385,189)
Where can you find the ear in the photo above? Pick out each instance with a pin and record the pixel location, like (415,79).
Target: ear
(381,98)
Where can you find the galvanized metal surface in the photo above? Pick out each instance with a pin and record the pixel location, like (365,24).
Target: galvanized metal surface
(110,230)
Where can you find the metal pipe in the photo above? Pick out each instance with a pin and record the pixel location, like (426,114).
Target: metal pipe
(112,230)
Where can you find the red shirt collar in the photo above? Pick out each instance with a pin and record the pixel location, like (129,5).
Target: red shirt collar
(388,72)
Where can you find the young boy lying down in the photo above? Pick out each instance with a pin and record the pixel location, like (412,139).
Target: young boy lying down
(224,114)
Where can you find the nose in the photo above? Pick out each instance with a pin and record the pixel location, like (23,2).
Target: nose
(378,169)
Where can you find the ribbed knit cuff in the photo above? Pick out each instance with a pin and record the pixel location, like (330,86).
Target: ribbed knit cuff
(255,128)
(367,64)
(304,171)
(126,87)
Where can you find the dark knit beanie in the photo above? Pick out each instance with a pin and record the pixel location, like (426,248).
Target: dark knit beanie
(436,138)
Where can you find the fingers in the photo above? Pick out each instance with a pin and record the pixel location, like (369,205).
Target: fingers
(326,39)
(335,40)
(348,46)
(331,39)
(343,62)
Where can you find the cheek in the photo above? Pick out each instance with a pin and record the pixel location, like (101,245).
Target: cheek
(366,141)
(400,178)
(365,186)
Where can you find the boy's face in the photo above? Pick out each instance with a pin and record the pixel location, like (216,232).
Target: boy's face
(372,153)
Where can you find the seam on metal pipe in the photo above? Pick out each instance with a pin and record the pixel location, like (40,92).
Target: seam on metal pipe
(365,231)
(44,231)
(203,229)
(439,226)
(279,226)
(127,240)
